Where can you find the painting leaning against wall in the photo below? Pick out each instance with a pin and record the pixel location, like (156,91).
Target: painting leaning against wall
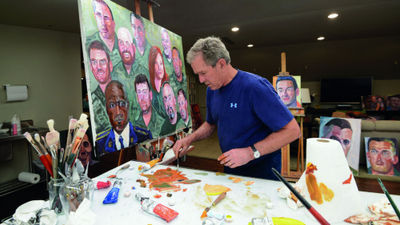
(135,77)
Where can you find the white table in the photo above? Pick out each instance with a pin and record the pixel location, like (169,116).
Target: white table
(243,202)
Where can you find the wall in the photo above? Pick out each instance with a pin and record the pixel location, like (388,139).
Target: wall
(49,62)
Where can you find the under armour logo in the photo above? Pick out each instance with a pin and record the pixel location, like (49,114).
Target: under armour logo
(233,105)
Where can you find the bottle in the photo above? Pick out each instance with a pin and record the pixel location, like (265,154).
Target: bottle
(157,209)
(15,125)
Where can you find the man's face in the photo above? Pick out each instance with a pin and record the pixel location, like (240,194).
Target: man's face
(159,67)
(85,151)
(166,43)
(144,96)
(182,103)
(381,157)
(100,66)
(126,47)
(169,103)
(104,20)
(207,74)
(286,91)
(395,103)
(117,108)
(341,135)
(139,33)
(177,63)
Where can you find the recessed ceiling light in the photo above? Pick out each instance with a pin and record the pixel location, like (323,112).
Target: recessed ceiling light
(250,45)
(321,38)
(333,15)
(235,29)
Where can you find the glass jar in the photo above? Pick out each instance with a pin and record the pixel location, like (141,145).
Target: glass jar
(54,187)
(73,193)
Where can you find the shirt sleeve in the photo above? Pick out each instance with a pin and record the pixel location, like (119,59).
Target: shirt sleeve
(268,106)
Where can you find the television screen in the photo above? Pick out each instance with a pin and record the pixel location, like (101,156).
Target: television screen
(345,90)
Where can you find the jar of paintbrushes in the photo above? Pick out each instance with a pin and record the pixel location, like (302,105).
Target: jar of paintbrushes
(73,193)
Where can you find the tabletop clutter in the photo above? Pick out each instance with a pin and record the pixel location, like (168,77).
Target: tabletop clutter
(71,192)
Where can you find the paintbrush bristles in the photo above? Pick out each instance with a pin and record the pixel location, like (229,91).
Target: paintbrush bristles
(28,137)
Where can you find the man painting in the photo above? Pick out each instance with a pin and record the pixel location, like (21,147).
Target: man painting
(339,130)
(382,156)
(123,134)
(140,38)
(166,43)
(287,89)
(106,26)
(148,118)
(101,68)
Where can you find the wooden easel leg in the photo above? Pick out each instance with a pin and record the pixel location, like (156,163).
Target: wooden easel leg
(121,152)
(285,170)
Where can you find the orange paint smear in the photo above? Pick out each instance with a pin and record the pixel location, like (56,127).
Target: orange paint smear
(112,176)
(348,180)
(165,176)
(235,179)
(310,168)
(157,196)
(327,193)
(313,189)
(248,183)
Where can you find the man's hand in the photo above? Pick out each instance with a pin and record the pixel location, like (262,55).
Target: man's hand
(236,157)
(181,147)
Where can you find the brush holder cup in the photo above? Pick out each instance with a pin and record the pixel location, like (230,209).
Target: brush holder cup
(54,187)
(73,193)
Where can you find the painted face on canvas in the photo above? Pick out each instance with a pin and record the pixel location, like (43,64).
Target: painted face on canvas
(177,63)
(85,151)
(144,96)
(341,135)
(381,156)
(159,67)
(104,20)
(209,75)
(169,103)
(394,103)
(166,43)
(125,46)
(100,65)
(182,103)
(140,35)
(286,92)
(117,107)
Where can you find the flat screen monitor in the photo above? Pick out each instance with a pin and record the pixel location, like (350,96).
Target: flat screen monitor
(345,90)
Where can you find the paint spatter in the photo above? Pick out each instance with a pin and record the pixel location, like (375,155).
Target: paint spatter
(157,196)
(190,181)
(201,173)
(184,190)
(318,192)
(215,189)
(112,176)
(248,183)
(347,181)
(220,174)
(327,193)
(142,183)
(235,179)
(164,179)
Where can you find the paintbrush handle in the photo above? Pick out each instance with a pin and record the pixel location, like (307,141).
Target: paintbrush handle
(396,210)
(220,198)
(46,164)
(318,216)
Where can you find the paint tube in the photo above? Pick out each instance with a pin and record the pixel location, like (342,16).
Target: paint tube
(112,196)
(155,208)
(102,185)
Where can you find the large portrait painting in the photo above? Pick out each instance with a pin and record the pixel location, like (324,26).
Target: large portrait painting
(348,133)
(288,88)
(135,76)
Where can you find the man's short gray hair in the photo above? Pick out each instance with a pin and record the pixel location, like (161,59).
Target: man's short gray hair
(212,48)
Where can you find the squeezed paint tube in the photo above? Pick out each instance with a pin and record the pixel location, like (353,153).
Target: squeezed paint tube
(112,196)
(102,184)
(157,209)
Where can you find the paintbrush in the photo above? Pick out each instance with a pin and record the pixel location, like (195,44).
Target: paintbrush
(43,148)
(71,126)
(311,209)
(215,202)
(53,136)
(42,158)
(396,210)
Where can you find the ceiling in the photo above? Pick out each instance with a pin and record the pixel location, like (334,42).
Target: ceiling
(264,23)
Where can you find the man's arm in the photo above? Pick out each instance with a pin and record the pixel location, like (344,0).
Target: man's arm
(275,141)
(204,131)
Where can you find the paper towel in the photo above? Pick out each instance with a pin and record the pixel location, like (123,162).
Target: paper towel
(29,177)
(332,170)
(16,93)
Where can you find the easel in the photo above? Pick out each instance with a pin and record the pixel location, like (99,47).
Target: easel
(150,3)
(298,113)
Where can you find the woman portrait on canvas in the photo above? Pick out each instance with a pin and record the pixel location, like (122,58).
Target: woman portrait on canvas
(157,69)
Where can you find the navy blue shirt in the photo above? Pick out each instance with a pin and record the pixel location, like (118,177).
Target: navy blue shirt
(246,111)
